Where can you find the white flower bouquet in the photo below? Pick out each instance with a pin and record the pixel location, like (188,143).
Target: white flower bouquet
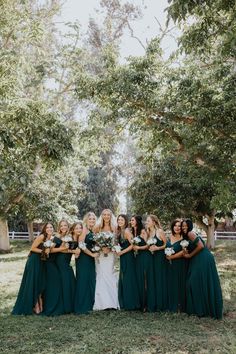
(104,239)
(151,241)
(82,245)
(47,245)
(169,251)
(136,241)
(67,239)
(116,248)
(184,244)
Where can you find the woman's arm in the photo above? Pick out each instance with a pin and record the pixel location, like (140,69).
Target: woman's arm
(34,248)
(200,246)
(176,255)
(128,236)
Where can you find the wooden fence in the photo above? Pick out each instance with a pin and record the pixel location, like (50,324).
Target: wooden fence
(219,235)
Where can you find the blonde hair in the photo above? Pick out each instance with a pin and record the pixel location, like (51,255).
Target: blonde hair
(86,217)
(100,223)
(156,221)
(59,225)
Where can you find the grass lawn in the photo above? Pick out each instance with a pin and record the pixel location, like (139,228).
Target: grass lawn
(116,331)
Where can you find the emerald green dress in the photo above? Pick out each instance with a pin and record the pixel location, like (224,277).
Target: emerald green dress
(176,280)
(128,293)
(145,278)
(85,279)
(53,296)
(32,284)
(68,280)
(204,296)
(160,265)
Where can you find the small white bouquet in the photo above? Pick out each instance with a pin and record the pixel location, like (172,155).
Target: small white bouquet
(67,239)
(169,251)
(82,245)
(47,245)
(96,248)
(151,241)
(184,244)
(116,248)
(136,241)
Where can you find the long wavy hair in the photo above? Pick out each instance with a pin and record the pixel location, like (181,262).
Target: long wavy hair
(43,232)
(86,217)
(156,221)
(125,217)
(139,225)
(100,222)
(59,226)
(72,228)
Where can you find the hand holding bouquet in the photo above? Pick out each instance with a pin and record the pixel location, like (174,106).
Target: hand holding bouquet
(136,241)
(151,242)
(168,252)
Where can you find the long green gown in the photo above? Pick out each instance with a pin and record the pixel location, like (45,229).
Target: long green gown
(52,296)
(32,284)
(145,278)
(176,280)
(128,293)
(160,264)
(85,279)
(204,296)
(68,280)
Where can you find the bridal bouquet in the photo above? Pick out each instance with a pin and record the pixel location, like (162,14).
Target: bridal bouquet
(168,252)
(151,241)
(136,241)
(104,239)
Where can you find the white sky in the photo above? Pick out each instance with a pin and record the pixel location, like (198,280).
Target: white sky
(145,28)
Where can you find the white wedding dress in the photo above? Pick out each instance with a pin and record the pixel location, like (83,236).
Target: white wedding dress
(106,293)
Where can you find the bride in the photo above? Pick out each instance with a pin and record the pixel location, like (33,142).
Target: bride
(106,293)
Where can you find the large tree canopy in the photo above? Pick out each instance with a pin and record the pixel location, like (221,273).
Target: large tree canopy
(183,118)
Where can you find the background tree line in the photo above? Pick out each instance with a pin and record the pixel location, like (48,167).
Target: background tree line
(68,102)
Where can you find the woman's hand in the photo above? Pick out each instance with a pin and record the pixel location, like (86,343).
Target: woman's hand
(47,251)
(77,252)
(95,255)
(136,248)
(186,255)
(153,248)
(169,258)
(119,253)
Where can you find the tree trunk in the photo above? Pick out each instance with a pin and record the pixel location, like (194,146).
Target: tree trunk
(30,231)
(210,231)
(4,238)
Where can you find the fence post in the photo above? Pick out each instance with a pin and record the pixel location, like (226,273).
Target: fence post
(13,235)
(215,235)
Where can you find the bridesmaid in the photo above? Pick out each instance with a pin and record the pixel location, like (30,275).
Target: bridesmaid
(85,268)
(66,272)
(53,294)
(177,270)
(204,296)
(127,288)
(29,299)
(144,266)
(160,263)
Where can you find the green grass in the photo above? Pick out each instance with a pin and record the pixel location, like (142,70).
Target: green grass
(116,331)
